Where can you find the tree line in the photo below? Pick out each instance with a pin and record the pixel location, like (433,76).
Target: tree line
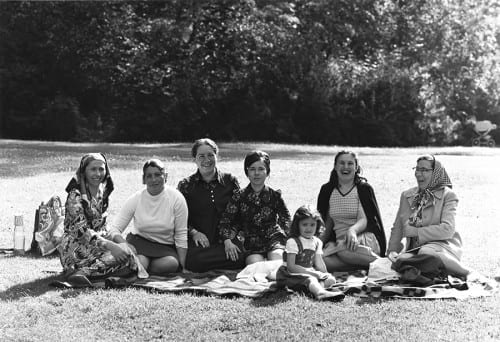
(349,72)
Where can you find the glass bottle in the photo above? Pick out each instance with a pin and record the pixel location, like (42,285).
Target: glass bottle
(18,235)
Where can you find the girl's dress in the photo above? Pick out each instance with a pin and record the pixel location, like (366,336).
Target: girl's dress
(261,220)
(306,250)
(345,210)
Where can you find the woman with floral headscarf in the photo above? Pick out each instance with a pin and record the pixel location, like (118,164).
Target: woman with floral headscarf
(85,251)
(426,218)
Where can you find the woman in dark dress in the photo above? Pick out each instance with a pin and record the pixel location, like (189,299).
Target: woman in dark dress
(207,193)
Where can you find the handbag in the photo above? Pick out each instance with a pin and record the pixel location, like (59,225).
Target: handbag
(49,226)
(421,270)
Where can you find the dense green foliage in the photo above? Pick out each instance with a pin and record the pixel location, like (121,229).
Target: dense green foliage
(357,72)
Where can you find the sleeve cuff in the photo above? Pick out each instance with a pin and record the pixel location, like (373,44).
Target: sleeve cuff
(414,232)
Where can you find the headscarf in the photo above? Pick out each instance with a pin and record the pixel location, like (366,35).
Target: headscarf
(439,180)
(78,182)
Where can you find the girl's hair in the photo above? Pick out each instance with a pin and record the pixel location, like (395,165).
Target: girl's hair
(153,163)
(428,157)
(334,178)
(304,212)
(204,141)
(254,156)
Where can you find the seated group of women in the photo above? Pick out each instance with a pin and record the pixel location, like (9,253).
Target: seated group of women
(210,223)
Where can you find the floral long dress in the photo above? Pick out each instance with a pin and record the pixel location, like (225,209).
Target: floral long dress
(80,250)
(261,219)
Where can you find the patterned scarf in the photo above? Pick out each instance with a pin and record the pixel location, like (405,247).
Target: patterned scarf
(439,180)
(78,182)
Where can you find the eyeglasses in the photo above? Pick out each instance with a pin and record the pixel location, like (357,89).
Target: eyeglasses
(422,169)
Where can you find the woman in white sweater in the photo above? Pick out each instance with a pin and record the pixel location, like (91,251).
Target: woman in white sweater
(159,233)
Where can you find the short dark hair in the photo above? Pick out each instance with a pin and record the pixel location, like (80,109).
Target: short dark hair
(306,211)
(153,163)
(203,141)
(254,156)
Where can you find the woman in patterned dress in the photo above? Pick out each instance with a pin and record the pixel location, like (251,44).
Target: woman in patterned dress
(257,215)
(85,251)
(354,235)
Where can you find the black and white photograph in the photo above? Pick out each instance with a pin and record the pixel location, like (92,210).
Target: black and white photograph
(250,170)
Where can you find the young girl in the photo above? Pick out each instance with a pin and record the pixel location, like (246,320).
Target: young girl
(303,267)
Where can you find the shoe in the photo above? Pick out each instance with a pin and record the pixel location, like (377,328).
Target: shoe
(79,280)
(119,282)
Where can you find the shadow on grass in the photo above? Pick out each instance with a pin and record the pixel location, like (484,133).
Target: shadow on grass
(34,288)
(39,287)
(271,299)
(47,274)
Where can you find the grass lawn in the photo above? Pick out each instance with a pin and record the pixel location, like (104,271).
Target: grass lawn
(30,310)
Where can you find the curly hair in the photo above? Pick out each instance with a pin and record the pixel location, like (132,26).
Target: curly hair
(304,212)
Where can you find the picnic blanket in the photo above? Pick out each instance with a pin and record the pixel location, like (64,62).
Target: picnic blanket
(253,281)
(217,282)
(212,283)
(359,285)
(259,279)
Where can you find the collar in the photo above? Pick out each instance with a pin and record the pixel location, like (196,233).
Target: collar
(410,194)
(197,177)
(249,189)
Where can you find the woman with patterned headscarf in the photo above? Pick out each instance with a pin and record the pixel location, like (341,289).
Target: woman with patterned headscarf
(85,251)
(426,218)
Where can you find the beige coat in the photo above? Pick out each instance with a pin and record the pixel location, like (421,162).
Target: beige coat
(438,222)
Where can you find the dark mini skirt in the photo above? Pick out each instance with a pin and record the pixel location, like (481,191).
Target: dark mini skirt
(151,249)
